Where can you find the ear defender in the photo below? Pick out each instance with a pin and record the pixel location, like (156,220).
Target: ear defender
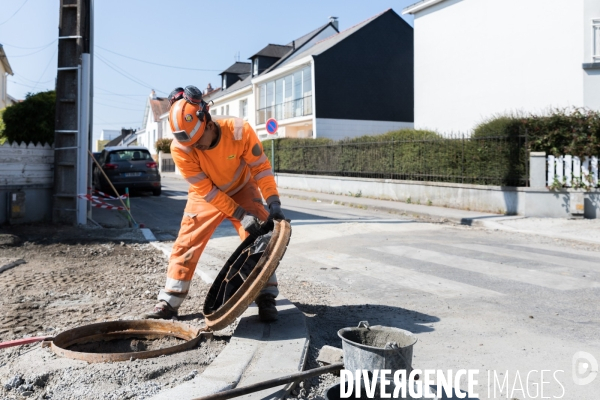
(203,109)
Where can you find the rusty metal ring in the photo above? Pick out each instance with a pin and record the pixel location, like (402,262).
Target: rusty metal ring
(256,281)
(106,331)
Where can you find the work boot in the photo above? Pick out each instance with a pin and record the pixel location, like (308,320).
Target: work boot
(162,310)
(267,312)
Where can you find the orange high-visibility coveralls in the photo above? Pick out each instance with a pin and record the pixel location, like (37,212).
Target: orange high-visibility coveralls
(223,184)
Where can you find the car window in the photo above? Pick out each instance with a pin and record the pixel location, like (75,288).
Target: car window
(129,155)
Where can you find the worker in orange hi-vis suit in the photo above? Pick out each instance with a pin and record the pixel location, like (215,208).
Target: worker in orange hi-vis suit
(225,165)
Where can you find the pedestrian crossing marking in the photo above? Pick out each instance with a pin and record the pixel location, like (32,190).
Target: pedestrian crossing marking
(554,248)
(538,257)
(320,230)
(400,276)
(503,271)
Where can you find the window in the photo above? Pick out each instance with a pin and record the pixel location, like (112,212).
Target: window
(255,67)
(223,83)
(286,97)
(222,111)
(227,109)
(596,40)
(243,108)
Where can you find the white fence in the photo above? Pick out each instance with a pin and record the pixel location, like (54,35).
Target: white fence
(26,164)
(570,171)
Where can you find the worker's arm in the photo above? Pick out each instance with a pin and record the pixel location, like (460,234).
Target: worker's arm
(189,165)
(259,164)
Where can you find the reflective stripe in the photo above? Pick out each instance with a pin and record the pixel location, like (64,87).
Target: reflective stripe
(186,149)
(261,160)
(172,298)
(238,128)
(196,127)
(239,213)
(175,112)
(261,175)
(234,191)
(212,194)
(177,286)
(196,178)
(236,176)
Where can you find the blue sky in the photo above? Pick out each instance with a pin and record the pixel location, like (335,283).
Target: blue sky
(186,33)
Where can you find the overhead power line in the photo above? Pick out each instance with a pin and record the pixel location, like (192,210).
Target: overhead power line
(35,52)
(15,13)
(161,65)
(28,48)
(125,73)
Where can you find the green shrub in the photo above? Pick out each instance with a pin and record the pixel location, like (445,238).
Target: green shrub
(163,145)
(32,120)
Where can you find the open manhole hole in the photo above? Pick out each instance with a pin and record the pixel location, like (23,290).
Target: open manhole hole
(124,340)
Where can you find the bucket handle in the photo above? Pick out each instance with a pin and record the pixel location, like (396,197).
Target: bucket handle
(364,324)
(394,346)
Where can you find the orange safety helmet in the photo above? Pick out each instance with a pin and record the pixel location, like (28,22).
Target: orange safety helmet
(186,125)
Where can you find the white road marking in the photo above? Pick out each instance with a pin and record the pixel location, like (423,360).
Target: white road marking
(542,258)
(557,249)
(306,231)
(504,271)
(400,276)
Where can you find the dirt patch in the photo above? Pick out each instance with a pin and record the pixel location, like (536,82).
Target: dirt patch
(130,345)
(73,277)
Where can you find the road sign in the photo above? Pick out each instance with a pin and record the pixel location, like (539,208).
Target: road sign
(272,126)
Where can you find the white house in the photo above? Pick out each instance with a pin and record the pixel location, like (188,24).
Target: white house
(478,58)
(327,83)
(5,70)
(152,125)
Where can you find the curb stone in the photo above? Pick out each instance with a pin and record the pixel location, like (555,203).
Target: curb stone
(255,353)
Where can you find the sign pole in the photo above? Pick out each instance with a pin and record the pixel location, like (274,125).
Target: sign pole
(273,153)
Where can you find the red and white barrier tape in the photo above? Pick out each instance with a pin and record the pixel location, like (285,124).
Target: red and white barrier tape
(109,197)
(97,202)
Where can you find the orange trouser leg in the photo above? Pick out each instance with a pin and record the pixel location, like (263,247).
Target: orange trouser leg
(196,228)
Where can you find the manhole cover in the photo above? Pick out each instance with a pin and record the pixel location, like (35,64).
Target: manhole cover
(244,275)
(124,340)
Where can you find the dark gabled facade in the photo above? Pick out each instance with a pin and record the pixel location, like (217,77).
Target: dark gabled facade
(236,72)
(368,74)
(268,56)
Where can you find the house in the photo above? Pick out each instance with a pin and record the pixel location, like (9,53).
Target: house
(152,125)
(327,83)
(478,58)
(5,70)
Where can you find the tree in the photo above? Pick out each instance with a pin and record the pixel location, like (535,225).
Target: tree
(31,120)
(2,138)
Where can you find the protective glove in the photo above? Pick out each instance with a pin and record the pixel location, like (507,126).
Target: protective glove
(252,225)
(275,211)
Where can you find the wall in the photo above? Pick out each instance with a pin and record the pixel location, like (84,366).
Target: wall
(369,74)
(347,128)
(30,169)
(591,77)
(476,58)
(494,199)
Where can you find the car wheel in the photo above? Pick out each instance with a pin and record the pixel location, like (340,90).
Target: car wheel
(156,192)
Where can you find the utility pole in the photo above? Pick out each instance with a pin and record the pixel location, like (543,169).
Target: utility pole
(73,112)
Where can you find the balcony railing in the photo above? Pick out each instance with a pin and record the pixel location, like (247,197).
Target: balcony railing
(289,109)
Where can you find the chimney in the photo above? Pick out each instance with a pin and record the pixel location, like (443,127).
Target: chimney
(153,95)
(335,23)
(209,89)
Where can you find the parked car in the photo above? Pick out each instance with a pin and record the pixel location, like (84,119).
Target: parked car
(127,167)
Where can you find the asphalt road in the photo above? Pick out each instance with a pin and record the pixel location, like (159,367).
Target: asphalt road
(502,303)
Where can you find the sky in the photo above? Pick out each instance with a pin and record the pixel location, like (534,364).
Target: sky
(193,40)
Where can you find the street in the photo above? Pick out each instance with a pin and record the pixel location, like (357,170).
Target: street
(503,303)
